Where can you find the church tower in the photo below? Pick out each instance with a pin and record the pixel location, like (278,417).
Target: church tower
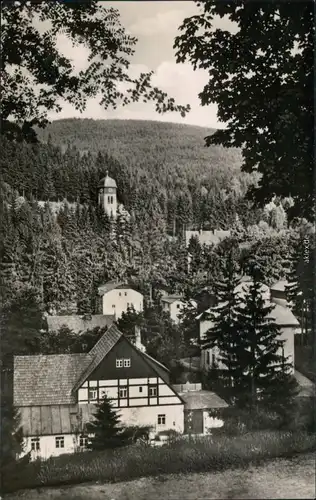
(107,197)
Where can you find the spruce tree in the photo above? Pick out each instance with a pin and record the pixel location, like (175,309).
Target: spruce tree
(225,332)
(269,383)
(11,433)
(106,429)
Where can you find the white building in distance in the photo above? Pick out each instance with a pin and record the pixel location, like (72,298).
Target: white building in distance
(117,297)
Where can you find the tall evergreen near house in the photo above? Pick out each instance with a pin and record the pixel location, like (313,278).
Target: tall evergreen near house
(105,428)
(270,384)
(11,433)
(225,334)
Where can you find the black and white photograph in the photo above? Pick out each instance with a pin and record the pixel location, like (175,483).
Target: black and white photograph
(157,250)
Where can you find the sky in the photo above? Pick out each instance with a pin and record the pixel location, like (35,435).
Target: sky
(155,24)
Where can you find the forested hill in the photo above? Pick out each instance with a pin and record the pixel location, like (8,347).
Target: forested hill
(177,149)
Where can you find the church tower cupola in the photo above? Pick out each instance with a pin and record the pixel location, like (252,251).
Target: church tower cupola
(107,196)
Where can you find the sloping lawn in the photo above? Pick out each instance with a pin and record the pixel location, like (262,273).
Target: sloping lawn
(280,478)
(217,453)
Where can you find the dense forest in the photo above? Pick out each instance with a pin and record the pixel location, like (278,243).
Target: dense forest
(64,251)
(158,167)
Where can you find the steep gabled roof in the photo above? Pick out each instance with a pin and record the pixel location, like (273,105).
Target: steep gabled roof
(172,298)
(158,367)
(47,380)
(280,285)
(98,353)
(110,285)
(281,314)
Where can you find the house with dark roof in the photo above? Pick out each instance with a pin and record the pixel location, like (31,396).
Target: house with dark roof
(117,297)
(281,315)
(79,323)
(56,394)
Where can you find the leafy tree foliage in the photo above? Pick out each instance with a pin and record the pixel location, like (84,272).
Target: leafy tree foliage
(35,75)
(261,78)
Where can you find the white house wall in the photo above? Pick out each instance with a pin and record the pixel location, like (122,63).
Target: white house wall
(149,416)
(138,392)
(210,423)
(174,309)
(48,446)
(121,299)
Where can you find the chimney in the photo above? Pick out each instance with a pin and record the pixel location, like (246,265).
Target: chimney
(138,339)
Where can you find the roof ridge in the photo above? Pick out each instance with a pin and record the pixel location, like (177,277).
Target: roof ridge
(69,354)
(155,360)
(113,328)
(97,354)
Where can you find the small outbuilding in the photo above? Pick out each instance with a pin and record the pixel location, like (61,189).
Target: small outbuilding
(199,405)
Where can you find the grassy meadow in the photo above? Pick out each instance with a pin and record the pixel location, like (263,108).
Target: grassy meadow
(196,455)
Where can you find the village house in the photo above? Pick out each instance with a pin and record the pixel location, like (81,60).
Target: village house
(116,297)
(56,394)
(281,314)
(173,305)
(77,323)
(207,238)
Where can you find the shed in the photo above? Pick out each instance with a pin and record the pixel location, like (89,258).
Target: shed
(197,405)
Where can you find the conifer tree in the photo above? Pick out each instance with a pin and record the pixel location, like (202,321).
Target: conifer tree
(265,368)
(106,429)
(225,334)
(11,433)
(188,323)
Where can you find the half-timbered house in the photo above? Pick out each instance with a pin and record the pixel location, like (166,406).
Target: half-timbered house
(56,394)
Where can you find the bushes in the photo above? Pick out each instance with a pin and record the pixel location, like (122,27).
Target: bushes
(193,455)
(238,421)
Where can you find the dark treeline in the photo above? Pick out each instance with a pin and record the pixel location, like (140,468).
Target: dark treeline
(184,199)
(62,253)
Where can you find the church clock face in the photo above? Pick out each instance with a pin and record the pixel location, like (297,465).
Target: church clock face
(111,190)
